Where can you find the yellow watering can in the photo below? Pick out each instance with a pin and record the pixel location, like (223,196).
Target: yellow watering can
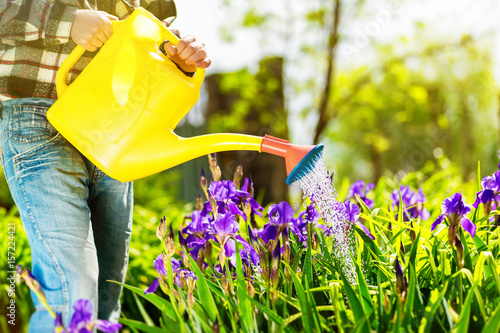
(122,110)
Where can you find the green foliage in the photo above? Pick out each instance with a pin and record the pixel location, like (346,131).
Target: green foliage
(439,296)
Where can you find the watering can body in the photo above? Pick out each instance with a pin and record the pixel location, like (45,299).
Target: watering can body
(122,110)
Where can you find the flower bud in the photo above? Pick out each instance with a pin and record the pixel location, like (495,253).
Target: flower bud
(460,251)
(222,257)
(199,202)
(214,166)
(250,290)
(274,297)
(190,299)
(163,285)
(59,328)
(162,229)
(451,234)
(201,257)
(32,284)
(401,282)
(251,190)
(213,203)
(203,183)
(208,252)
(238,175)
(216,328)
(169,245)
(413,234)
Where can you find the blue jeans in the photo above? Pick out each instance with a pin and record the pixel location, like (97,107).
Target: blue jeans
(77,219)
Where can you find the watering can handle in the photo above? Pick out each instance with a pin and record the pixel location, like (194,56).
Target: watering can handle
(71,60)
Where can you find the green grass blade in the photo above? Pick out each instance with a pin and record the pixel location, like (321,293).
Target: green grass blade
(245,310)
(430,309)
(204,291)
(463,324)
(156,300)
(410,297)
(307,318)
(366,298)
(140,326)
(493,323)
(270,314)
(144,314)
(307,268)
(356,306)
(312,306)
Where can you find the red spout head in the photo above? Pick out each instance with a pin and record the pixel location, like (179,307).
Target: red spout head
(299,159)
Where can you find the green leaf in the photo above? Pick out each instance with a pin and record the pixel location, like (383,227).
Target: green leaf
(493,323)
(377,255)
(272,315)
(430,309)
(480,245)
(204,293)
(245,310)
(367,302)
(463,323)
(307,318)
(356,306)
(143,311)
(156,300)
(410,297)
(307,268)
(140,326)
(312,306)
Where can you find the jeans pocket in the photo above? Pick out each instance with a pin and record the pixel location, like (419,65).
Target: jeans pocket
(29,124)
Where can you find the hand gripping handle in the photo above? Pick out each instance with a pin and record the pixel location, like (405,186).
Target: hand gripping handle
(71,60)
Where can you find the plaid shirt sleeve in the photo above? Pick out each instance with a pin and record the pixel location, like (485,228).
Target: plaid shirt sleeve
(162,9)
(24,21)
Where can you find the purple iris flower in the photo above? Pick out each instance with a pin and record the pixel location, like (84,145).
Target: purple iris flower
(224,192)
(491,190)
(358,188)
(247,254)
(181,276)
(244,197)
(280,214)
(58,324)
(199,224)
(162,272)
(224,227)
(82,319)
(269,232)
(413,203)
(352,212)
(299,227)
(456,210)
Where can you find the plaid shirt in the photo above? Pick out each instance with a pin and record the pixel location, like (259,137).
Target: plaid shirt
(35,40)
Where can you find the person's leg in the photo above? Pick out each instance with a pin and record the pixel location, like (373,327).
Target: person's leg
(49,180)
(111,204)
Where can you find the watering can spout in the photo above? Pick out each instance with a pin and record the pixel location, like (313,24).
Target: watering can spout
(299,159)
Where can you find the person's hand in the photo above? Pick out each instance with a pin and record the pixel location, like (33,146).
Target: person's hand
(91,29)
(189,53)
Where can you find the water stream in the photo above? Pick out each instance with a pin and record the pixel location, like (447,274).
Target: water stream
(318,187)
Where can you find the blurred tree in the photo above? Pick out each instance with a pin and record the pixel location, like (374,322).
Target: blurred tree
(434,99)
(253,104)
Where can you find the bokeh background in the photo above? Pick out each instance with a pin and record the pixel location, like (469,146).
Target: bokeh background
(389,87)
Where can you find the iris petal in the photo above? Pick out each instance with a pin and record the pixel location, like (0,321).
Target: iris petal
(468,226)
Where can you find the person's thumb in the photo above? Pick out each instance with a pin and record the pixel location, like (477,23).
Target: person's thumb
(170,49)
